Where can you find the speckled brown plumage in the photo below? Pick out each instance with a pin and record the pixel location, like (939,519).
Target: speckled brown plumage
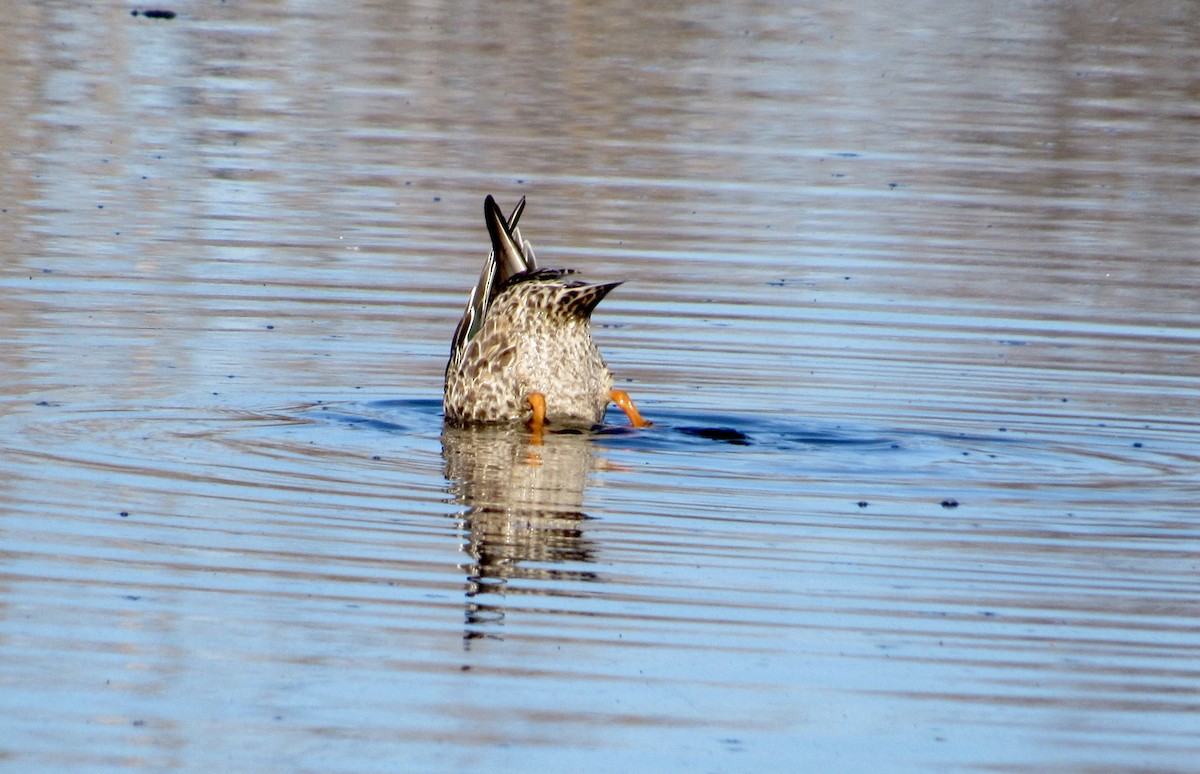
(526,330)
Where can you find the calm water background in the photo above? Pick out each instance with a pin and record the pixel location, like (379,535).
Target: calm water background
(912,298)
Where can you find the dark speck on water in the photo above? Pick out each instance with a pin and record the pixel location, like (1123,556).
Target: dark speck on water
(154,13)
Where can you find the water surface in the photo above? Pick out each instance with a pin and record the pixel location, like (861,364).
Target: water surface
(911,299)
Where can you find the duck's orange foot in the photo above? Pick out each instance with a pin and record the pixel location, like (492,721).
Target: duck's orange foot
(537,422)
(625,403)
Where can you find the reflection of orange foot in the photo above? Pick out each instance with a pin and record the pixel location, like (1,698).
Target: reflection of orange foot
(625,403)
(537,422)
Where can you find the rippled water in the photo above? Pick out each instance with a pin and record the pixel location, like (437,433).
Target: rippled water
(911,300)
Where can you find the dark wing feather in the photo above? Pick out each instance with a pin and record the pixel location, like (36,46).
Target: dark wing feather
(509,256)
(539,275)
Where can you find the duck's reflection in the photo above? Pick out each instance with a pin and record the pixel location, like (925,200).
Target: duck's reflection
(523,514)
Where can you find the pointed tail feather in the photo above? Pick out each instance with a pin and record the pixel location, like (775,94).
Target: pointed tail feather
(582,300)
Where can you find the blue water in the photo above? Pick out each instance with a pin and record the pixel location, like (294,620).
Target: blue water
(910,300)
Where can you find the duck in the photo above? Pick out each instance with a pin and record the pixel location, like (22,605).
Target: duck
(523,350)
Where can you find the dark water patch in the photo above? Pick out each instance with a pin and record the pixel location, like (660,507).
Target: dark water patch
(727,435)
(370,423)
(411,407)
(395,416)
(696,431)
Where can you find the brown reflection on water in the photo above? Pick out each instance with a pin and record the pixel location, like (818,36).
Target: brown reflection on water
(524,516)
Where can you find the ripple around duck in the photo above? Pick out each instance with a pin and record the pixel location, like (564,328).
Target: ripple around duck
(1047,454)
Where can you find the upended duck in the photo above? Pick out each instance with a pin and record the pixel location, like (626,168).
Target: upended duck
(523,350)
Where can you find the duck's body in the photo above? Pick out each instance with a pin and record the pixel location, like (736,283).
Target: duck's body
(523,350)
